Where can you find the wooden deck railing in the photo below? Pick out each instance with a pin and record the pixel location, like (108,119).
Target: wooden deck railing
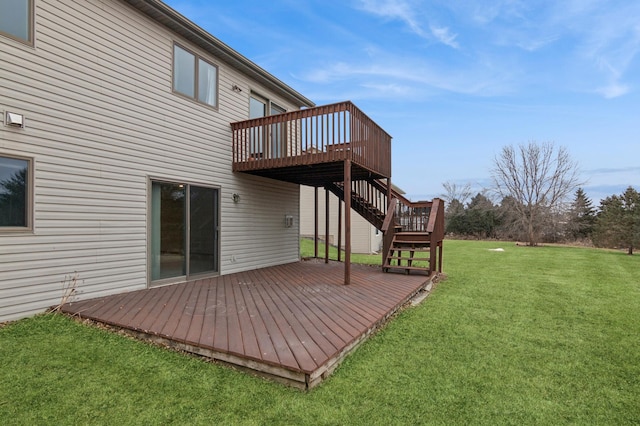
(323,134)
(422,216)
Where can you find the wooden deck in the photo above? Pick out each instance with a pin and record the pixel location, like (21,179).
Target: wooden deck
(293,323)
(310,146)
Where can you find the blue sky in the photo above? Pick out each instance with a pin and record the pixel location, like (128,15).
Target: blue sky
(455,81)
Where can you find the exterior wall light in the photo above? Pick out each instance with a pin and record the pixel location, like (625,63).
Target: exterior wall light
(14,120)
(288,221)
(236,198)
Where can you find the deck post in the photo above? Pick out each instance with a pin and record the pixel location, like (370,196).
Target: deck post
(326,225)
(389,190)
(339,229)
(315,222)
(385,245)
(347,222)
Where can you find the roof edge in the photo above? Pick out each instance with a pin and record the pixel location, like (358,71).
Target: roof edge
(178,23)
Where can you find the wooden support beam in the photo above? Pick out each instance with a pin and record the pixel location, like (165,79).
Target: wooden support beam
(315,222)
(347,222)
(339,229)
(326,226)
(389,190)
(386,239)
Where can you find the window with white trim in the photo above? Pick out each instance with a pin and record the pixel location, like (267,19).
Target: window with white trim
(16,19)
(15,192)
(194,77)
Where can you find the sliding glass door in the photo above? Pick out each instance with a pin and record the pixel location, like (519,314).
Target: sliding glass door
(184,231)
(203,230)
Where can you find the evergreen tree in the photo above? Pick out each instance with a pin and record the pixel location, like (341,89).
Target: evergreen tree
(454,216)
(582,216)
(618,222)
(482,217)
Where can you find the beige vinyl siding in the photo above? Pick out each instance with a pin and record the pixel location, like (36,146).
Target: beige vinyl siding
(101,119)
(363,234)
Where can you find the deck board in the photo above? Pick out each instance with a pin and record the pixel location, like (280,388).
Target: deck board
(249,339)
(282,353)
(186,314)
(195,308)
(172,309)
(293,322)
(207,331)
(267,351)
(159,305)
(234,330)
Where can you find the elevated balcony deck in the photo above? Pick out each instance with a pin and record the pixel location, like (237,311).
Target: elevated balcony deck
(310,146)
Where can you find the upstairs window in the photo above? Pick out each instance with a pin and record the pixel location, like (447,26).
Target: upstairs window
(16,19)
(15,193)
(266,142)
(194,77)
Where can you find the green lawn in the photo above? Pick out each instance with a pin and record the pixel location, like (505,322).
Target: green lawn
(307,250)
(547,335)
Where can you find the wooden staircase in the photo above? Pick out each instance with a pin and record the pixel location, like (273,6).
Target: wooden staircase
(413,231)
(407,248)
(372,211)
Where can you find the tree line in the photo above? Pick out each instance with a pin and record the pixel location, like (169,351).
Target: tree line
(540,200)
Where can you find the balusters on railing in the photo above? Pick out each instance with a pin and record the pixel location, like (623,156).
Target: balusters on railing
(327,133)
(413,217)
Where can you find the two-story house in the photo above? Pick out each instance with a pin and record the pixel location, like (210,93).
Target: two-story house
(137,150)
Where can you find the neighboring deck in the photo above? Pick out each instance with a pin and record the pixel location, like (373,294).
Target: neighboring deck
(293,323)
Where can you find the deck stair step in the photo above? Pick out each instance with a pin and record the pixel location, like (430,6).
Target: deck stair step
(407,246)
(402,255)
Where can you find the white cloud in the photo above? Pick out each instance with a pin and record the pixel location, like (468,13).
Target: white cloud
(537,43)
(613,90)
(486,13)
(607,40)
(393,90)
(445,37)
(391,76)
(393,9)
(593,43)
(404,11)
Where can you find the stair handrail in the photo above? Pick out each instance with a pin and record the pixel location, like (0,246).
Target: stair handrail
(364,200)
(388,228)
(388,219)
(435,226)
(382,187)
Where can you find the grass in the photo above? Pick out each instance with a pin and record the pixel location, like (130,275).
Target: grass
(546,335)
(307,250)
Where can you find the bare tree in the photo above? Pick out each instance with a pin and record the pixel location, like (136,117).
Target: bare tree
(454,191)
(538,177)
